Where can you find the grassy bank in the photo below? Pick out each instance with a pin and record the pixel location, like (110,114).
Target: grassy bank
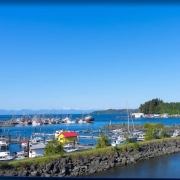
(84,154)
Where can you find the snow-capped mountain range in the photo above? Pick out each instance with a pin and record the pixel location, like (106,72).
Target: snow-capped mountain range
(45,111)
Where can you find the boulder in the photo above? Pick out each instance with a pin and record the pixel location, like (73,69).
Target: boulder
(50,166)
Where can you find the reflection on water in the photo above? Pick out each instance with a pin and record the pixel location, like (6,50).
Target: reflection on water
(159,167)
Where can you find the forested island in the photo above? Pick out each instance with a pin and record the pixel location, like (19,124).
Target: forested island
(158,106)
(154,106)
(115,111)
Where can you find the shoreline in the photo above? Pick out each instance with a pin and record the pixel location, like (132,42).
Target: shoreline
(92,161)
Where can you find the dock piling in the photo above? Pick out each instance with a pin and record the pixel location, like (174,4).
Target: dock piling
(35,130)
(9,136)
(24,134)
(16,134)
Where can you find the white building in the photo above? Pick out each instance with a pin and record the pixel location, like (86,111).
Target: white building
(138,115)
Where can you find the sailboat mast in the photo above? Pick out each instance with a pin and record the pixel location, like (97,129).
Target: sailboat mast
(132,120)
(128,117)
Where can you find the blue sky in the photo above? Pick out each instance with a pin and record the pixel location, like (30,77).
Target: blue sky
(87,57)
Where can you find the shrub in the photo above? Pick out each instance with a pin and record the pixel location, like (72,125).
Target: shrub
(151,133)
(159,125)
(155,131)
(164,133)
(54,147)
(103,141)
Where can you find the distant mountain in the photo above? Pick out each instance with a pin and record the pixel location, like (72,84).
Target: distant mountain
(44,111)
(114,111)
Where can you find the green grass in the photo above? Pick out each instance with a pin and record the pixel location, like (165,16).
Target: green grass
(84,153)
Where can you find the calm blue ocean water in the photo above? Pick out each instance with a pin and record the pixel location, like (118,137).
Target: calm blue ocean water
(100,121)
(160,167)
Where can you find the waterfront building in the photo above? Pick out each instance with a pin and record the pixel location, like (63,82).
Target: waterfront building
(138,115)
(67,137)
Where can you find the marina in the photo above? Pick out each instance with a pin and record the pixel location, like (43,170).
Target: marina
(37,120)
(87,133)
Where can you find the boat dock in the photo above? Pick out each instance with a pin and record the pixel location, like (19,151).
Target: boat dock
(17,140)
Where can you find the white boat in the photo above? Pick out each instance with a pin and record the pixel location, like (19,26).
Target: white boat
(4,151)
(176,133)
(37,143)
(6,158)
(81,121)
(67,120)
(117,131)
(57,133)
(34,153)
(35,123)
(68,145)
(136,133)
(36,120)
(89,119)
(157,115)
(141,137)
(37,146)
(70,148)
(3,142)
(121,139)
(36,140)
(24,143)
(165,115)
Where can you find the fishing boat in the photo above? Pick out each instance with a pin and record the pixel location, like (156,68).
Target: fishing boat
(35,123)
(29,122)
(89,119)
(36,120)
(67,120)
(81,121)
(4,151)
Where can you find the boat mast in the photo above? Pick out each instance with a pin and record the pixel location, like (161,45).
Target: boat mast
(128,117)
(132,121)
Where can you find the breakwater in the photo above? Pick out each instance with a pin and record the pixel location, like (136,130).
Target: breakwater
(84,163)
(124,127)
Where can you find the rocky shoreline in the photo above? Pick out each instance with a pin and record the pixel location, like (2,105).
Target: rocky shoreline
(84,165)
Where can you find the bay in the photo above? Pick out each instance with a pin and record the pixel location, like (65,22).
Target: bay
(100,121)
(160,167)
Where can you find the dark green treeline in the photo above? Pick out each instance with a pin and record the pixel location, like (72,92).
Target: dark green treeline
(157,106)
